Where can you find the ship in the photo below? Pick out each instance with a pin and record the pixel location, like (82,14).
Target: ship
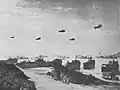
(90,64)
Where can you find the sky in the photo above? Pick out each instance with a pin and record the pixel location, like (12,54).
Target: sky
(28,19)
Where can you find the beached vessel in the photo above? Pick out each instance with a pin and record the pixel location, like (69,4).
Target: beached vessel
(74,65)
(90,64)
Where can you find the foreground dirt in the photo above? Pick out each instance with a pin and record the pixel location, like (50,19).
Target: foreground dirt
(44,82)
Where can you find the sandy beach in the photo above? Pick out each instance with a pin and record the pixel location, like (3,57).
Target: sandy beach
(44,82)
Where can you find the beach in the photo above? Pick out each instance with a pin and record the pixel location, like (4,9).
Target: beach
(44,82)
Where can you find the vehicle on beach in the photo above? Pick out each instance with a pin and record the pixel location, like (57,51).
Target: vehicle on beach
(110,70)
(110,76)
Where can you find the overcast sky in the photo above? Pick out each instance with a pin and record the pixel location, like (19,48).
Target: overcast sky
(45,17)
